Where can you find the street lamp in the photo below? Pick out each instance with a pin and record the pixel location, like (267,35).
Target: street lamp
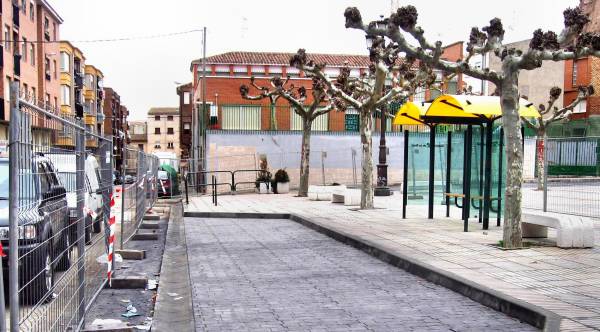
(382,188)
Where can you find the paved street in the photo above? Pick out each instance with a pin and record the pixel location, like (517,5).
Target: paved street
(277,275)
(565,282)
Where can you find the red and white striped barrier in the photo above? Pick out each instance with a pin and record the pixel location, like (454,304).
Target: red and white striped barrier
(90,212)
(111,237)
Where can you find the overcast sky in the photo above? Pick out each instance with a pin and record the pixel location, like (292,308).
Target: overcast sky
(144,72)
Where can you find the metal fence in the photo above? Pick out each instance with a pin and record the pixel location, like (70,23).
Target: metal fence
(571,184)
(56,185)
(139,190)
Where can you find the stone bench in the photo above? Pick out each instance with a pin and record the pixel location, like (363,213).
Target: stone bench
(571,231)
(352,197)
(337,194)
(322,193)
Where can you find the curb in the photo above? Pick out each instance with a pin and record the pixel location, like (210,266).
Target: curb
(174,313)
(508,305)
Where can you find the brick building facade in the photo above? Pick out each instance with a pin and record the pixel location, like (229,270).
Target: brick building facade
(185,119)
(115,123)
(33,64)
(226,72)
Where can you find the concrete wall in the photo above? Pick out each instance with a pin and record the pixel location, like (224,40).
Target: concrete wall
(333,153)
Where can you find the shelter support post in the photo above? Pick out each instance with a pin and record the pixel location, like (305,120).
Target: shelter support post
(405,176)
(448,171)
(431,171)
(481,172)
(487,199)
(467,177)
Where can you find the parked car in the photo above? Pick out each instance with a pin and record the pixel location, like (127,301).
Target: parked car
(164,184)
(43,222)
(66,169)
(129,179)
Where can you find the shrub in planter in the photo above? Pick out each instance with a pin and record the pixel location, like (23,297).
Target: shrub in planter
(262,182)
(283,182)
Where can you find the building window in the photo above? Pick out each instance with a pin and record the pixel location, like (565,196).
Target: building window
(222,70)
(24,50)
(47,67)
(186,127)
(574,83)
(31,11)
(54,68)
(187,98)
(65,94)
(24,6)
(141,147)
(46,25)
(319,124)
(170,145)
(351,120)
(170,131)
(157,118)
(157,131)
(7,38)
(32,54)
(241,117)
(65,62)
(54,35)
(169,118)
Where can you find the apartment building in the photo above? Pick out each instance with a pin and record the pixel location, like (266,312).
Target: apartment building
(185,118)
(163,130)
(585,120)
(138,132)
(27,57)
(115,123)
(93,94)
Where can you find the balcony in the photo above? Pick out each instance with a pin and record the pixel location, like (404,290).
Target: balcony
(78,110)
(78,79)
(91,142)
(17,64)
(90,119)
(16,14)
(66,141)
(100,117)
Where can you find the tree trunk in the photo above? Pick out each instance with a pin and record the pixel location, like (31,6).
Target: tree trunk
(305,156)
(366,194)
(509,99)
(273,117)
(540,158)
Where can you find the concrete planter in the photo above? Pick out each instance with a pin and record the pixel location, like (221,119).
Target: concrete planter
(283,187)
(263,189)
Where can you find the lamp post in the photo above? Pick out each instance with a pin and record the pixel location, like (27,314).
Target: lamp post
(382,188)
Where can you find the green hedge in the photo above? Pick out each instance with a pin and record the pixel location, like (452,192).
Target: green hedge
(573,170)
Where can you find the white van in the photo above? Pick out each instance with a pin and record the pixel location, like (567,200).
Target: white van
(65,166)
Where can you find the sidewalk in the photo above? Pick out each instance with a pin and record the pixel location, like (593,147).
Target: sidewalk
(565,282)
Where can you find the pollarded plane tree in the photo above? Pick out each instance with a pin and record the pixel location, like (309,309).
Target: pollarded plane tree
(368,94)
(549,114)
(308,111)
(572,43)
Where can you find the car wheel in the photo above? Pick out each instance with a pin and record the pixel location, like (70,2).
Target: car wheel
(43,281)
(64,262)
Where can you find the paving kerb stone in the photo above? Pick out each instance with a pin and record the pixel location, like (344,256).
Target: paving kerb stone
(128,282)
(526,312)
(149,224)
(145,235)
(172,313)
(132,254)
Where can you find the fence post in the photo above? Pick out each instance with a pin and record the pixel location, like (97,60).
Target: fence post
(323,156)
(545,175)
(13,210)
(123,168)
(106,180)
(81,218)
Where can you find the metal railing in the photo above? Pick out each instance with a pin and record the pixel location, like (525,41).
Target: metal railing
(196,183)
(57,230)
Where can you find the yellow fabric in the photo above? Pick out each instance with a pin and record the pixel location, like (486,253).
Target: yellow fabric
(409,113)
(448,106)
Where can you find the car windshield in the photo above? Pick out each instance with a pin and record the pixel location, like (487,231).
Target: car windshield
(68,180)
(4,180)
(163,175)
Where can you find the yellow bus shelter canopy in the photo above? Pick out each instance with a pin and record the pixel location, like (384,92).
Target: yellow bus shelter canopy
(410,114)
(474,106)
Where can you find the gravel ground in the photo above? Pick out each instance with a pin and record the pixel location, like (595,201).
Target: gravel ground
(110,303)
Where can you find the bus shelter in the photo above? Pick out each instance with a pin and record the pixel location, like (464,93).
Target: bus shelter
(477,116)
